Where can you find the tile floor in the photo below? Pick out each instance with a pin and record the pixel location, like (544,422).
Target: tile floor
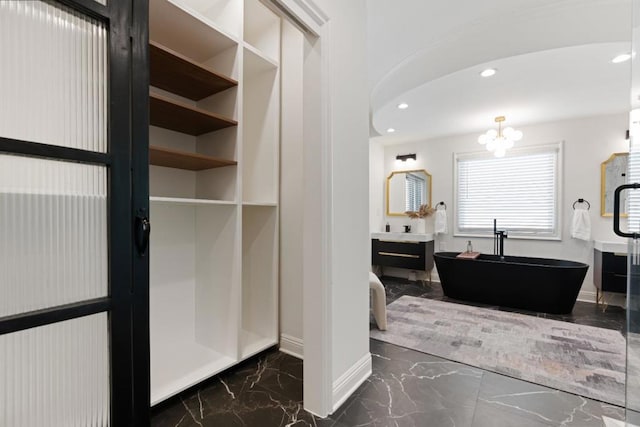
(407,388)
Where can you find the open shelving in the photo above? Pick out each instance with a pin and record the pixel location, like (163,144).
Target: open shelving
(184,160)
(178,74)
(261,100)
(190,202)
(214,185)
(185,26)
(192,314)
(169,114)
(259,278)
(261,29)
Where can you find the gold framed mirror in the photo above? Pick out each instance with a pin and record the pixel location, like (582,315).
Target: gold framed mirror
(613,173)
(407,190)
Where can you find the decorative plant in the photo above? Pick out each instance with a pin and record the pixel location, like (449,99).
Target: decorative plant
(423,212)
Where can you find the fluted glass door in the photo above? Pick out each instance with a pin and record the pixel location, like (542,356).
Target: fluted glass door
(73,283)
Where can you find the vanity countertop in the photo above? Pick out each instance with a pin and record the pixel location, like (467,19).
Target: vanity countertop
(620,247)
(403,237)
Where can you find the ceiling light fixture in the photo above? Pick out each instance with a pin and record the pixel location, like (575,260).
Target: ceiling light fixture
(391,130)
(403,106)
(488,72)
(621,58)
(405,157)
(499,141)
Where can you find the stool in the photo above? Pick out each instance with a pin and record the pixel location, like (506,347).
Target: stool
(379,301)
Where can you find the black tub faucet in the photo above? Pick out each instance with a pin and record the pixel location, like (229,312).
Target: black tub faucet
(498,240)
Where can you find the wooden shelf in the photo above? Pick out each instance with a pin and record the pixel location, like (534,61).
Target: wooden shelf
(169,114)
(178,74)
(184,160)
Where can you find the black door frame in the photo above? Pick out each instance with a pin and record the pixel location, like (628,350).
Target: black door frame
(128,197)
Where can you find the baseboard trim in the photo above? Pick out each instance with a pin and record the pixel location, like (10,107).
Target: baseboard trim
(353,378)
(292,346)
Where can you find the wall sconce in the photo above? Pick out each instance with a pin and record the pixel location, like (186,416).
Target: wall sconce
(405,157)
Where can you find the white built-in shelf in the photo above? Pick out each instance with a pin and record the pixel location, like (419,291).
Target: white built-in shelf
(253,344)
(188,364)
(262,204)
(184,29)
(262,28)
(256,62)
(191,202)
(215,253)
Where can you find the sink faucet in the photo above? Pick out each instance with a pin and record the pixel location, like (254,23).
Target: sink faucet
(498,240)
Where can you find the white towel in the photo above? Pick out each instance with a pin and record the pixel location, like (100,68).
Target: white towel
(440,226)
(581,224)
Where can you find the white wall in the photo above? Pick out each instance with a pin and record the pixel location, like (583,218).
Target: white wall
(376,187)
(291,191)
(326,264)
(350,246)
(587,143)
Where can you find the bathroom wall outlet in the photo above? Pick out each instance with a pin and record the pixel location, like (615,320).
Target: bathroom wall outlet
(442,246)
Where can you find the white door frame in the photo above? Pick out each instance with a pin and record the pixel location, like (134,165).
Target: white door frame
(317,272)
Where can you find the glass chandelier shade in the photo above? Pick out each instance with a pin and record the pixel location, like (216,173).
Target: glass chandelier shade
(499,141)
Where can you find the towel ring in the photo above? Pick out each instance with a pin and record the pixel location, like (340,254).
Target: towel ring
(581,201)
(442,204)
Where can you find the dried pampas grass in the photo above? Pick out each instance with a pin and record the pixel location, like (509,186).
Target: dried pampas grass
(423,212)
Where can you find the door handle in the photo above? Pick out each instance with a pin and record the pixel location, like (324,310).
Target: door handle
(141,232)
(616,210)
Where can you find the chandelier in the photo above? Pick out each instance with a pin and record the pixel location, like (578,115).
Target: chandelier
(499,141)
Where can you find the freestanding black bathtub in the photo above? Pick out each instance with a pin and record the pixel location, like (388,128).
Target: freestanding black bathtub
(536,284)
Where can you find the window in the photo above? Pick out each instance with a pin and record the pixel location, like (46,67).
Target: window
(415,188)
(521,191)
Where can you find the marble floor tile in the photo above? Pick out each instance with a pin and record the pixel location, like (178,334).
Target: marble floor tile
(410,389)
(264,391)
(407,389)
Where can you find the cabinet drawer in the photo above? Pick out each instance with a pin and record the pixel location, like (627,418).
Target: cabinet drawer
(399,260)
(614,283)
(410,255)
(615,263)
(409,248)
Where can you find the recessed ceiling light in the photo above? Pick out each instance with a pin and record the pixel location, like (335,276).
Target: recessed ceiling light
(621,58)
(403,106)
(488,72)
(391,130)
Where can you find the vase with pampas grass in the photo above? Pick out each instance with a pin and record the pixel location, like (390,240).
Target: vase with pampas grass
(419,217)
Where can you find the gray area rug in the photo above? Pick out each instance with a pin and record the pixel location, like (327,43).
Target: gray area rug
(583,360)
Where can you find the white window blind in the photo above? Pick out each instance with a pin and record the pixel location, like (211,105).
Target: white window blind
(415,187)
(520,191)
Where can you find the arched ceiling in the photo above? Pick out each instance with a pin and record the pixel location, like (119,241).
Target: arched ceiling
(553,59)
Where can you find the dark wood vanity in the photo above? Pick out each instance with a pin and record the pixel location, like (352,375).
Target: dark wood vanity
(610,271)
(410,251)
